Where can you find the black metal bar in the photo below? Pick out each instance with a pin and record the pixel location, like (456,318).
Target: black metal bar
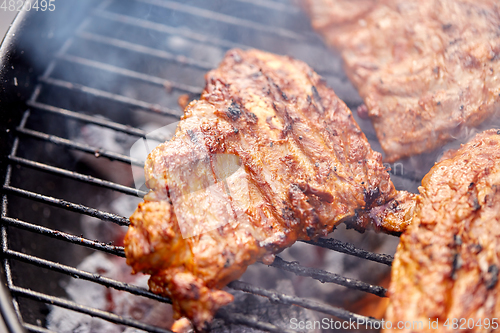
(37,329)
(90,119)
(131,74)
(7,313)
(216,16)
(149,51)
(210,40)
(120,220)
(93,277)
(324,276)
(98,152)
(129,20)
(111,317)
(77,176)
(3,232)
(336,245)
(153,108)
(299,301)
(111,249)
(273,5)
(252,321)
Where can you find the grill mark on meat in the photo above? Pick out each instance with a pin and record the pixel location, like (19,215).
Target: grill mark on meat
(492,282)
(323,196)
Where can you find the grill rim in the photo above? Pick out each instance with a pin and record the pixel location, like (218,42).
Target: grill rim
(8,190)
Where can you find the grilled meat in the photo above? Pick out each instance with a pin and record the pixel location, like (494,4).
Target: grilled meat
(448,260)
(425,69)
(268,155)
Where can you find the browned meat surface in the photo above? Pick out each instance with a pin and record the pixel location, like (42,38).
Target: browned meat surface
(392,217)
(447,262)
(268,155)
(425,69)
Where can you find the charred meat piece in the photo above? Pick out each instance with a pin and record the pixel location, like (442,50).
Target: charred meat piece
(269,155)
(425,69)
(448,260)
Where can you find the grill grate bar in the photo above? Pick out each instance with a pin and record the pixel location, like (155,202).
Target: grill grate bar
(120,220)
(127,129)
(226,45)
(111,317)
(324,276)
(153,108)
(131,74)
(80,146)
(79,274)
(89,119)
(336,245)
(272,5)
(216,16)
(111,249)
(299,301)
(78,176)
(129,20)
(33,328)
(37,329)
(149,51)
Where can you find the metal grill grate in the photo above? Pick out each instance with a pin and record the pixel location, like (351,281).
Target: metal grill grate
(91,32)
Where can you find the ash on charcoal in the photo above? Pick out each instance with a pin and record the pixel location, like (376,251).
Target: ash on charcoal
(266,311)
(100,297)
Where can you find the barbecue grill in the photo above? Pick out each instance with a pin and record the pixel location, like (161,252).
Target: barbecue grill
(108,64)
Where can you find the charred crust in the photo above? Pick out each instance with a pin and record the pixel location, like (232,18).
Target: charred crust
(287,129)
(316,95)
(194,291)
(446,26)
(251,117)
(317,98)
(310,231)
(192,136)
(287,214)
(476,205)
(234,111)
(493,270)
(371,195)
(476,248)
(457,263)
(498,132)
(227,263)
(457,240)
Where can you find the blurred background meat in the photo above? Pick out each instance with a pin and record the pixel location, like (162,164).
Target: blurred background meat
(427,70)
